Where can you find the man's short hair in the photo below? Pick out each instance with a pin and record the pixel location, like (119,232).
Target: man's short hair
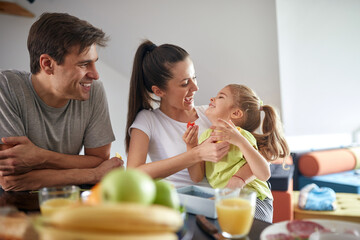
(56,34)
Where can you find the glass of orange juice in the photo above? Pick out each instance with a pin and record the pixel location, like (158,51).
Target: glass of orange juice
(235,209)
(52,199)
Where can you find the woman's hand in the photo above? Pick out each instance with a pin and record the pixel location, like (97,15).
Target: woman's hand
(190,136)
(211,150)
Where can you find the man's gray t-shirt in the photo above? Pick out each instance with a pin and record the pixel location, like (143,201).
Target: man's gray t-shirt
(64,130)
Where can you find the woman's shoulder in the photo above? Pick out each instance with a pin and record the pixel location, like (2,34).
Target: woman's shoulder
(148,112)
(148,115)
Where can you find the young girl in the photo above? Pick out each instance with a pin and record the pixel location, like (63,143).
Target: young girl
(235,115)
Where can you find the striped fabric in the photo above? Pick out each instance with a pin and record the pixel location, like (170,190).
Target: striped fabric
(264,210)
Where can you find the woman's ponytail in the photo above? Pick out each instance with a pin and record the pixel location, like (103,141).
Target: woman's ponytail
(139,95)
(152,67)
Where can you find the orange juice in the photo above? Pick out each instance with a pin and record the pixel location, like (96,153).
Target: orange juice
(50,206)
(235,216)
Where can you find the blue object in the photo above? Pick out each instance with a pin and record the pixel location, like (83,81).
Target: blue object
(312,197)
(347,182)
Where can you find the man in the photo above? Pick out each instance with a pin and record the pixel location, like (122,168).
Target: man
(48,115)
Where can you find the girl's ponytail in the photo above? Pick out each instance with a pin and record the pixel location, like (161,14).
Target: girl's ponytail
(272,144)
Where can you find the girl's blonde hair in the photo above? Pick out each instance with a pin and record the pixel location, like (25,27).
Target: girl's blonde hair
(271,143)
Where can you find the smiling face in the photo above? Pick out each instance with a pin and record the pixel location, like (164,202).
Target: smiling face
(73,78)
(222,106)
(180,90)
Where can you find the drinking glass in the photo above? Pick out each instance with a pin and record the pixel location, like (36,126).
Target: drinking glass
(235,209)
(52,199)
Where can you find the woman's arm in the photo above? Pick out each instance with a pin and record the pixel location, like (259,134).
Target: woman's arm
(190,137)
(138,148)
(257,163)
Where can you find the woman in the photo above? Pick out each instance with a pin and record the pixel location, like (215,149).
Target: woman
(166,72)
(165,75)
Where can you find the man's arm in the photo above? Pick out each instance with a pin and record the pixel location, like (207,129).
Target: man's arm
(24,156)
(37,179)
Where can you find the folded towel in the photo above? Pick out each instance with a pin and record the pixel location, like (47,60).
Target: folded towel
(312,197)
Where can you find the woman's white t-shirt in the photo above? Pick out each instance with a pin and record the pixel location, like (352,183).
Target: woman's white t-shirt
(165,139)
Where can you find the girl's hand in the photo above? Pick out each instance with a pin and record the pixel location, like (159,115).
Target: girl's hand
(226,131)
(190,136)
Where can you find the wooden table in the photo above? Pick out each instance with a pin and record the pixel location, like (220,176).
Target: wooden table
(28,202)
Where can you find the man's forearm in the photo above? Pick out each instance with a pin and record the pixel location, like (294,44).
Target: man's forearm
(37,179)
(54,160)
(92,158)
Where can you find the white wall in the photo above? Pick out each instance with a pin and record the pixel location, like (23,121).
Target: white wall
(319,54)
(116,87)
(229,41)
(313,46)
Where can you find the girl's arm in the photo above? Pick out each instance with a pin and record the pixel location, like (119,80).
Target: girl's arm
(257,163)
(138,148)
(242,177)
(190,137)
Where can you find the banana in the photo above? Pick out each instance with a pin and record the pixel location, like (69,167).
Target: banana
(51,233)
(121,217)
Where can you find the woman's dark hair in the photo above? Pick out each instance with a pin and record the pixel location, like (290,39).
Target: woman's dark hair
(56,33)
(152,67)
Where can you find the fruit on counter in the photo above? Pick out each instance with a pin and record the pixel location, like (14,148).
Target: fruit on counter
(52,233)
(166,194)
(118,218)
(95,195)
(130,185)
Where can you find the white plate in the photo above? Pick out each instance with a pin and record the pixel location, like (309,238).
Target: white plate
(333,225)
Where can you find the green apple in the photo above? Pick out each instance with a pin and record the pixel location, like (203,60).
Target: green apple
(130,185)
(166,194)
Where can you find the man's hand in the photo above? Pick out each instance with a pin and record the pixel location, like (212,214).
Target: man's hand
(107,166)
(22,157)
(18,182)
(36,179)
